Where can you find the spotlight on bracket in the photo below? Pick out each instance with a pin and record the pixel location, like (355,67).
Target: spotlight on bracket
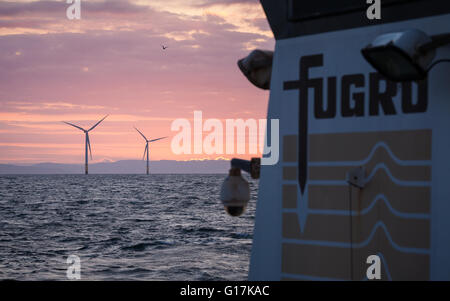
(404,56)
(257,67)
(235,191)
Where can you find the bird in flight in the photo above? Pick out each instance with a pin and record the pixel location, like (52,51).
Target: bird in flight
(164,47)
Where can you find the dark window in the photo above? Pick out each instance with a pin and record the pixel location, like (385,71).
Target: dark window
(299,10)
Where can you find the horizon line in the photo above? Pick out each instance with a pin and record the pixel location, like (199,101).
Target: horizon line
(47,162)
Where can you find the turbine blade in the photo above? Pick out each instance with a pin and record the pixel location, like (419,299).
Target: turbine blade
(89,145)
(93,127)
(157,139)
(145,150)
(75,126)
(141,134)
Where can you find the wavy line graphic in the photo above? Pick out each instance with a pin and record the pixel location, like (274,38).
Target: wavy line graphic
(361,244)
(379,145)
(302,202)
(377,173)
(320,278)
(336,228)
(390,183)
(378,167)
(380,197)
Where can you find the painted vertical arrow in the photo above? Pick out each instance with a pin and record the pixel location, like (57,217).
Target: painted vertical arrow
(302,84)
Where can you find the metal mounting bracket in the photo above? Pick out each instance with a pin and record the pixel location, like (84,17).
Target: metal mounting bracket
(355,177)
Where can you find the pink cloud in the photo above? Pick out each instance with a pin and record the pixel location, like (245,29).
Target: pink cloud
(116,65)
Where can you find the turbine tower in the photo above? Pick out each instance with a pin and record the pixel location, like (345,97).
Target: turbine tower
(146,151)
(87,142)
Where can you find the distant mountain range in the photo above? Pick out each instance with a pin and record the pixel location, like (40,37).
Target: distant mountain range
(122,167)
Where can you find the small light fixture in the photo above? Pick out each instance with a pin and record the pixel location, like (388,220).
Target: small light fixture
(257,67)
(404,56)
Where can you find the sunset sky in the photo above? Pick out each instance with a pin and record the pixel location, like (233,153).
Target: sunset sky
(111,62)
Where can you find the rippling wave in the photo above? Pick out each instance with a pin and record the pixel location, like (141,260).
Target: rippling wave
(123,227)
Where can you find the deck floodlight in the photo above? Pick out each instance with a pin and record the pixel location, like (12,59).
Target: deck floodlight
(404,56)
(257,67)
(397,56)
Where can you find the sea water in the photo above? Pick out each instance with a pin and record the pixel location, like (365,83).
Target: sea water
(122,227)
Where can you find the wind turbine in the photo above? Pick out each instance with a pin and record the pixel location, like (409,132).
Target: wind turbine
(146,146)
(87,142)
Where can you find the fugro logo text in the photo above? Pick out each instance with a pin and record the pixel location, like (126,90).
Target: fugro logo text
(352,105)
